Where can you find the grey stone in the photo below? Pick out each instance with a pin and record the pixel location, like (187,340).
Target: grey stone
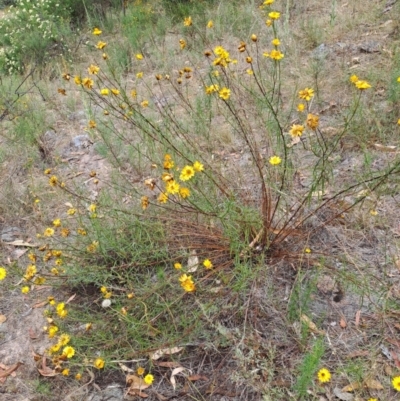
(321,51)
(3,328)
(9,234)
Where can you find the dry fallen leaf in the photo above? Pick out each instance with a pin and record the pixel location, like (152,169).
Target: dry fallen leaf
(384,148)
(343,323)
(7,371)
(46,371)
(342,395)
(125,368)
(193,262)
(175,372)
(193,378)
(351,387)
(311,325)
(20,242)
(165,351)
(373,384)
(32,334)
(3,318)
(170,364)
(136,383)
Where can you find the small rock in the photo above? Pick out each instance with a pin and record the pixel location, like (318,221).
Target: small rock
(77,115)
(9,234)
(321,51)
(81,142)
(370,47)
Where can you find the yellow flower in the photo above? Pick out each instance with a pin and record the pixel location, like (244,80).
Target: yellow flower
(77,79)
(188,21)
(353,79)
(307,250)
(64,339)
(53,181)
(140,371)
(182,43)
(68,351)
(139,75)
(48,232)
(249,71)
(145,103)
(178,266)
(87,83)
(184,192)
(224,93)
(211,89)
(275,160)
(398,79)
(81,231)
(249,60)
(253,37)
(373,212)
(55,348)
(105,92)
(396,383)
(300,107)
(276,42)
(39,280)
(30,272)
(296,130)
(105,56)
(210,24)
(207,264)
(372,399)
(172,187)
(324,376)
(65,372)
(362,85)
(167,177)
(130,295)
(57,223)
(187,173)
(99,363)
(101,45)
(47,171)
(65,232)
(144,201)
(168,164)
(274,15)
(312,121)
(25,289)
(163,198)
(60,307)
(52,331)
(96,31)
(63,314)
(139,56)
(306,94)
(148,379)
(54,271)
(108,295)
(71,211)
(115,92)
(3,273)
(198,167)
(88,326)
(187,283)
(268,2)
(276,55)
(92,208)
(93,69)
(93,247)
(268,22)
(78,376)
